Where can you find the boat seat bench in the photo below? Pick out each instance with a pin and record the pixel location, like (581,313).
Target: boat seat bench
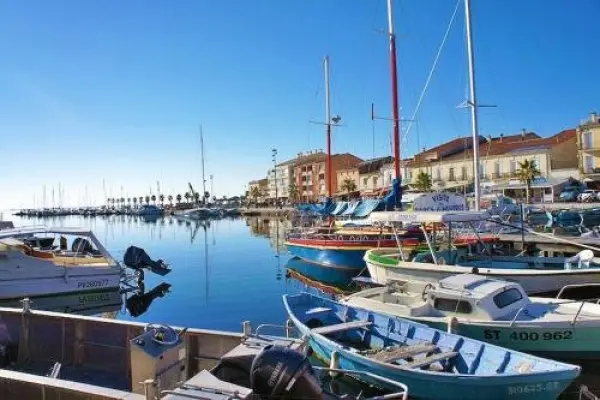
(430,360)
(389,356)
(324,330)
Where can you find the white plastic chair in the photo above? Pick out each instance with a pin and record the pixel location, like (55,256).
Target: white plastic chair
(583,259)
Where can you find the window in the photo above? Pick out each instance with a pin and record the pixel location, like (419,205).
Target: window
(507,297)
(587,140)
(452,305)
(513,167)
(497,168)
(589,164)
(438,173)
(464,175)
(481,169)
(365,182)
(451,174)
(374,181)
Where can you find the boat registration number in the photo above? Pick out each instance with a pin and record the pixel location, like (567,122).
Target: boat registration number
(533,388)
(495,334)
(92,284)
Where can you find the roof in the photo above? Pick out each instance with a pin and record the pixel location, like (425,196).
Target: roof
(288,162)
(310,158)
(476,286)
(462,148)
(429,216)
(374,164)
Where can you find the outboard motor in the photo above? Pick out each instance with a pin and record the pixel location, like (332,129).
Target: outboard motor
(138,303)
(280,372)
(137,258)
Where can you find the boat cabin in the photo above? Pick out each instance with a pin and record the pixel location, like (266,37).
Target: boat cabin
(476,297)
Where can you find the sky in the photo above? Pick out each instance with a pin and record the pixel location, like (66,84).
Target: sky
(115,91)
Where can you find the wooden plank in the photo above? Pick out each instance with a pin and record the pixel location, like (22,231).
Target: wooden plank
(324,330)
(403,352)
(431,359)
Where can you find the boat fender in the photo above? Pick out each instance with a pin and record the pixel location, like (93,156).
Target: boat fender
(441,261)
(452,325)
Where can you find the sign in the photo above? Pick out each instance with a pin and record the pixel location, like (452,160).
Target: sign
(440,202)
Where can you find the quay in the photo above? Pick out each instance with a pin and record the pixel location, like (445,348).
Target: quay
(270,211)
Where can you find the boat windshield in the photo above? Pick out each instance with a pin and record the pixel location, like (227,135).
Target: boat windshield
(507,297)
(452,305)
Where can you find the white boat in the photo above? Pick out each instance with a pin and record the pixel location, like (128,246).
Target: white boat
(494,311)
(32,265)
(534,274)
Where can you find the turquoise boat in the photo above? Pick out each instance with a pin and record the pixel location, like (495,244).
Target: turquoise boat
(494,311)
(433,363)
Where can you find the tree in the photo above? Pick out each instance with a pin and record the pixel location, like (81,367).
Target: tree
(254,193)
(170,198)
(292,192)
(526,173)
(348,185)
(197,197)
(122,201)
(187,197)
(141,200)
(147,199)
(206,196)
(423,181)
(178,198)
(162,199)
(153,198)
(135,200)
(128,201)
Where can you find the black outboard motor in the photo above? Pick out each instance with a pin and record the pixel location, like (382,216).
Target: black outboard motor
(138,259)
(138,303)
(280,372)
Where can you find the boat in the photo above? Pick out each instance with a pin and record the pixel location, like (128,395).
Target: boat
(494,311)
(149,210)
(431,362)
(54,355)
(31,266)
(534,274)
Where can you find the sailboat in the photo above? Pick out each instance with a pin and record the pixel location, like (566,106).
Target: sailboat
(345,248)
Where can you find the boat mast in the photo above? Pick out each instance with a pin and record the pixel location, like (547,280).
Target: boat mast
(394,73)
(202,151)
(472,103)
(328,125)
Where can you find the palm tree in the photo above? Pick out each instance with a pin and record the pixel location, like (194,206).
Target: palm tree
(128,201)
(423,181)
(348,185)
(170,198)
(153,198)
(135,202)
(197,197)
(178,198)
(526,173)
(187,197)
(141,200)
(147,199)
(292,192)
(255,193)
(162,199)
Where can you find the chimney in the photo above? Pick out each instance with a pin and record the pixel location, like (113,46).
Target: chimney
(501,137)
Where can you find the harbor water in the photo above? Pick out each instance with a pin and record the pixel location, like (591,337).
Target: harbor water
(224,272)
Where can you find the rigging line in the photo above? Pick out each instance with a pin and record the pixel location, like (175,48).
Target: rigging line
(433,67)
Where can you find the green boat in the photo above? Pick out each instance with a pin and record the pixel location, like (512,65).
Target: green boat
(494,311)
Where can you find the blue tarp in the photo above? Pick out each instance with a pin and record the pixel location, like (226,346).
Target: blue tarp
(367,207)
(340,208)
(393,199)
(351,207)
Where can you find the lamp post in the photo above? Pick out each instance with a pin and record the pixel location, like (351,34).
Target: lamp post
(274,158)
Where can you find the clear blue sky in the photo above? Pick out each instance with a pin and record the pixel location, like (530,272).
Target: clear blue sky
(115,90)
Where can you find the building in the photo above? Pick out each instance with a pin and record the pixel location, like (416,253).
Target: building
(280,178)
(588,150)
(310,173)
(450,165)
(372,175)
(344,174)
(258,190)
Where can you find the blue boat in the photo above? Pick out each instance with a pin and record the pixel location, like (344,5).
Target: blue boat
(433,363)
(333,254)
(340,278)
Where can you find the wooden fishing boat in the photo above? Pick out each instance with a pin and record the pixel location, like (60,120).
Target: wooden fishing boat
(495,311)
(431,362)
(535,274)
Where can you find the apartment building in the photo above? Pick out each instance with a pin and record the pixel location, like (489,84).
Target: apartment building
(280,178)
(450,165)
(310,173)
(259,187)
(372,175)
(588,149)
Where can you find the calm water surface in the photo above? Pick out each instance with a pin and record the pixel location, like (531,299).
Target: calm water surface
(223,272)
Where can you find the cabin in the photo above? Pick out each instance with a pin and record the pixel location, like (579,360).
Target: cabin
(477,297)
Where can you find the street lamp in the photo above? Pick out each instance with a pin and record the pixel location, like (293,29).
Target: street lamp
(274,158)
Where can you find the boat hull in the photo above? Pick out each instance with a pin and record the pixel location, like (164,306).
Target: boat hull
(543,385)
(339,258)
(533,281)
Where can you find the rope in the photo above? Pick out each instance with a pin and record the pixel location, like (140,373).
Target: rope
(433,67)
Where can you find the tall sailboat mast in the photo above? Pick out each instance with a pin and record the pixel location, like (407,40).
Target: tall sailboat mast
(472,103)
(328,125)
(202,151)
(394,76)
